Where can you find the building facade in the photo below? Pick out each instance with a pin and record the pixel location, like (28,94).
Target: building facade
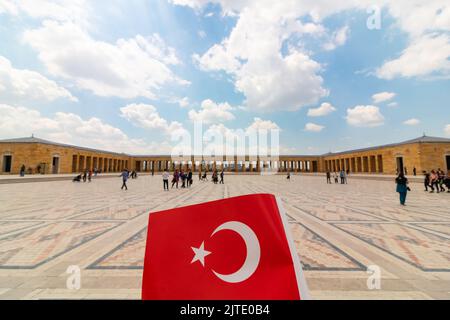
(46,157)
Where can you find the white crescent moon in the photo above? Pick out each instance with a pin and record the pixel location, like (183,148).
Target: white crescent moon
(253,252)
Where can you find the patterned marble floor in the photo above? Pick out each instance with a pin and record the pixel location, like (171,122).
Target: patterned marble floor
(339,231)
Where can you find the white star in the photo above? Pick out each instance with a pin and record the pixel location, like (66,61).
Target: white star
(200,254)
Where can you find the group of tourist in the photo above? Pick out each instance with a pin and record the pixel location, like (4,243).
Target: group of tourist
(437,180)
(215,177)
(186,178)
(87,175)
(342,177)
(203,176)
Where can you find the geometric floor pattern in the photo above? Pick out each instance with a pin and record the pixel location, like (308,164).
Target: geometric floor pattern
(339,232)
(31,248)
(128,255)
(424,250)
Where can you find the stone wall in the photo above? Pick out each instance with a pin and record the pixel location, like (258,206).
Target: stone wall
(385,160)
(433,156)
(39,158)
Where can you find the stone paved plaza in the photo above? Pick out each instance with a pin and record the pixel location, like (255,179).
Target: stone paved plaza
(339,230)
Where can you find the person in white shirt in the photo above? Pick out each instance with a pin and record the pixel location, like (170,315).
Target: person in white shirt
(166,176)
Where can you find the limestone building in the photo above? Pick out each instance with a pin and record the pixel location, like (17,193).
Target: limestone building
(47,157)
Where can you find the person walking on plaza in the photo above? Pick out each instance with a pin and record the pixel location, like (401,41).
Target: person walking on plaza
(328,177)
(125,175)
(434,181)
(175,179)
(189,178)
(426,181)
(336,178)
(84,175)
(166,176)
(402,187)
(183,179)
(288,176)
(415,172)
(221,177)
(90,176)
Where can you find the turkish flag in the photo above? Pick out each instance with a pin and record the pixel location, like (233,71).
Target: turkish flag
(232,249)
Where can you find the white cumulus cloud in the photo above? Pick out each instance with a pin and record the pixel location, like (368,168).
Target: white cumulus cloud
(29,84)
(69,128)
(262,125)
(324,110)
(270,80)
(425,22)
(212,112)
(365,116)
(312,127)
(147,116)
(77,11)
(426,55)
(129,68)
(339,38)
(383,96)
(412,122)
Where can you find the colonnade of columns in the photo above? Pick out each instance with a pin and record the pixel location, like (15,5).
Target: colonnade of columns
(236,165)
(360,164)
(82,162)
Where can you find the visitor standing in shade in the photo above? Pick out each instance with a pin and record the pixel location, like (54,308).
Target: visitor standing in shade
(402,187)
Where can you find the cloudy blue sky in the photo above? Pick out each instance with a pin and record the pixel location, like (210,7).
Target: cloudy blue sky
(125,75)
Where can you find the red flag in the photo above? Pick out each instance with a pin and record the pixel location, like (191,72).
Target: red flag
(232,249)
